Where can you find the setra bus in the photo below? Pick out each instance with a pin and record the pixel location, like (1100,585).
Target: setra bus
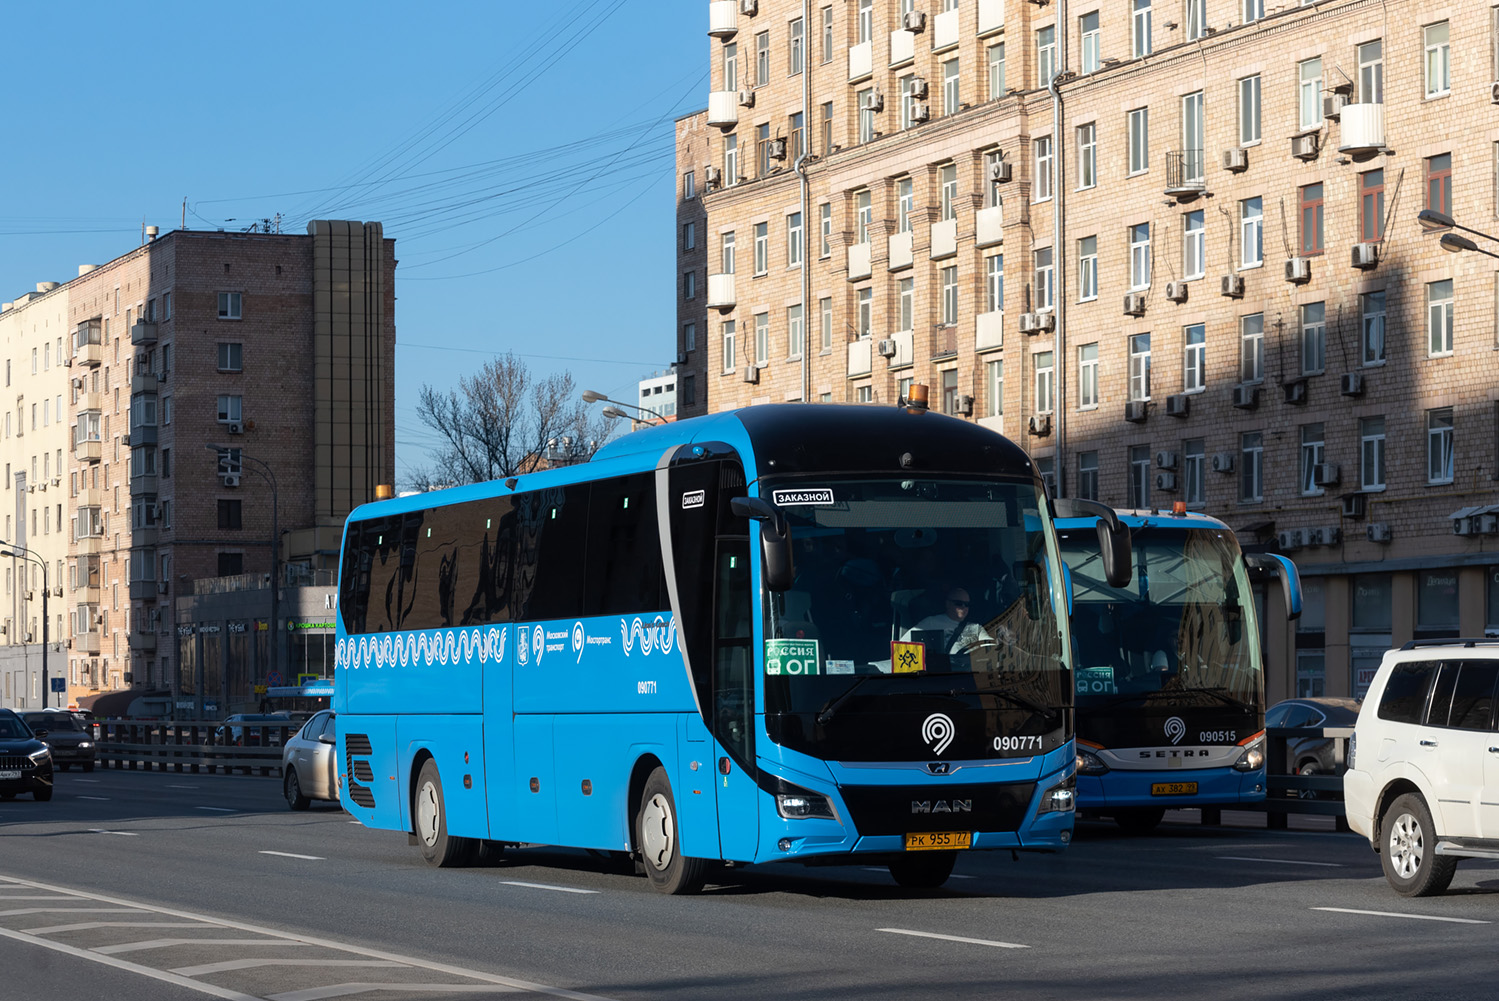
(718,641)
(1169,668)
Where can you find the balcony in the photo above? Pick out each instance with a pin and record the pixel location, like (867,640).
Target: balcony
(860,60)
(946,32)
(147,383)
(89,498)
(944,340)
(991,15)
(720,291)
(905,348)
(902,47)
(944,238)
(143,485)
(991,226)
(86,642)
(143,434)
(859,357)
(91,355)
(89,451)
(142,332)
(1361,129)
(87,595)
(858,261)
(1185,176)
(900,251)
(90,401)
(723,18)
(989,331)
(143,641)
(144,535)
(143,590)
(90,545)
(723,111)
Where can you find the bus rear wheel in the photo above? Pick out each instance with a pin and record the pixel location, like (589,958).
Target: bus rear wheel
(1141,820)
(430,814)
(658,837)
(923,870)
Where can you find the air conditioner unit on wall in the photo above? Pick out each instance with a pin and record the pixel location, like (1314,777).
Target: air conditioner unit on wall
(1298,270)
(1378,531)
(235,427)
(1354,505)
(1135,411)
(1365,255)
(749,8)
(964,406)
(1176,291)
(1040,425)
(887,348)
(917,88)
(746,99)
(750,374)
(1246,397)
(1306,147)
(920,111)
(913,20)
(230,479)
(1134,304)
(1332,105)
(875,100)
(1178,405)
(1232,286)
(1165,481)
(776,149)
(1223,462)
(1236,159)
(1325,474)
(1165,460)
(1352,384)
(1001,171)
(1295,391)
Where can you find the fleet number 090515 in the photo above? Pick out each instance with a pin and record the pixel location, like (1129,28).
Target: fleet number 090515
(1217,736)
(1030,743)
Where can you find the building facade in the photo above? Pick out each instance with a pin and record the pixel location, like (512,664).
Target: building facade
(219,397)
(1169,245)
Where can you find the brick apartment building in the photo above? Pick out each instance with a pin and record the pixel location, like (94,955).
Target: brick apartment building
(1189,269)
(279,348)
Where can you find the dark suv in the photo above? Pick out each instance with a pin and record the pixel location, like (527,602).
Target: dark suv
(71,739)
(25,762)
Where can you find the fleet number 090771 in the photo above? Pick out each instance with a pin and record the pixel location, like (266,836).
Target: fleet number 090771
(1028,743)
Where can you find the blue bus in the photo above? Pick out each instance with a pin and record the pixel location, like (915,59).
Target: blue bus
(1169,670)
(701,647)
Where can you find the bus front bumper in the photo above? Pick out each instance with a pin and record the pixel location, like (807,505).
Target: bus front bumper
(1172,789)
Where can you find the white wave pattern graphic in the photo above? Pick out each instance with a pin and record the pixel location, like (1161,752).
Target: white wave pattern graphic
(438,648)
(660,634)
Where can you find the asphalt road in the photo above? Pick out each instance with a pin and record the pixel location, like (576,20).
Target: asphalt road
(183,886)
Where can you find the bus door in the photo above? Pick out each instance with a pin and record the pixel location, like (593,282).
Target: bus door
(734,700)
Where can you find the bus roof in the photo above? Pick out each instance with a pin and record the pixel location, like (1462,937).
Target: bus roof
(1150,518)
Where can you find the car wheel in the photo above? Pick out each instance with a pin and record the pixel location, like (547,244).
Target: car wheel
(1409,856)
(1141,820)
(292,787)
(63,766)
(659,840)
(923,870)
(430,814)
(1308,768)
(42,795)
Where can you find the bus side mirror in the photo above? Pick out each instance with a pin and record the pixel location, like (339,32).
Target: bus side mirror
(775,539)
(1290,578)
(1114,547)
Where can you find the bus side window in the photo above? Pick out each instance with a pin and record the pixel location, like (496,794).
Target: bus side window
(733,675)
(623,574)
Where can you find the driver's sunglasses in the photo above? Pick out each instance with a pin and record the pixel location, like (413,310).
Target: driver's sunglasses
(959,604)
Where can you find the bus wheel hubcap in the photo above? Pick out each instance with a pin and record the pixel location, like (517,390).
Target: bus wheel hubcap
(426,814)
(656,831)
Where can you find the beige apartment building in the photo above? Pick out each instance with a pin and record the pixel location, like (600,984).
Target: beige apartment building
(204,397)
(1171,246)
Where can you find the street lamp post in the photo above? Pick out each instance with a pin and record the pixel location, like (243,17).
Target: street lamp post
(1431,220)
(593,396)
(264,471)
(13,549)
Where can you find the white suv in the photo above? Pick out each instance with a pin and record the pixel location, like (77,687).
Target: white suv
(1423,770)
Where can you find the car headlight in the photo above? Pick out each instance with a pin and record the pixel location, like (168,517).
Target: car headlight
(1252,758)
(1089,763)
(45,754)
(1060,798)
(82,744)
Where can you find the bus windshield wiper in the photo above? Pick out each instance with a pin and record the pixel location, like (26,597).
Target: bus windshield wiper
(1005,693)
(831,706)
(1222,694)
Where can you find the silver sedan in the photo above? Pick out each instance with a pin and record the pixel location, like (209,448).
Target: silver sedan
(309,762)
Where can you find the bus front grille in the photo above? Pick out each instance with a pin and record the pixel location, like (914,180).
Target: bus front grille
(884,810)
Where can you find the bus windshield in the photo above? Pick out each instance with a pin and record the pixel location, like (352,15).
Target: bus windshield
(925,584)
(1183,623)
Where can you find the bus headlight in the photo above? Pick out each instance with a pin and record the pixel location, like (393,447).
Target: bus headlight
(1252,758)
(1089,763)
(1060,798)
(796,803)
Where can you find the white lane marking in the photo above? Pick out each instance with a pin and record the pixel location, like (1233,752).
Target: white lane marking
(1397,914)
(546,886)
(181,787)
(123,834)
(17,912)
(219,809)
(92,782)
(171,943)
(953,938)
(90,925)
(17,896)
(121,964)
(310,858)
(102,799)
(1277,861)
(344,990)
(344,947)
(250,964)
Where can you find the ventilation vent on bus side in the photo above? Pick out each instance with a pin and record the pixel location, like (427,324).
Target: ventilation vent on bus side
(731,475)
(361,775)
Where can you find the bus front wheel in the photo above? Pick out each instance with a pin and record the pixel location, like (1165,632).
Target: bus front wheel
(923,870)
(430,815)
(658,837)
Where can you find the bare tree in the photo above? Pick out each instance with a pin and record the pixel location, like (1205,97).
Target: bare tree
(498,422)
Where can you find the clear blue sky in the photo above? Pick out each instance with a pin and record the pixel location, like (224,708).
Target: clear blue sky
(519,153)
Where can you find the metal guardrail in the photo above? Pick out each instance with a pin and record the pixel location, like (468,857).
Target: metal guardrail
(1288,792)
(193,746)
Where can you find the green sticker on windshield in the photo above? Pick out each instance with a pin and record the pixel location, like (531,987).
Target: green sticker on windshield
(788,657)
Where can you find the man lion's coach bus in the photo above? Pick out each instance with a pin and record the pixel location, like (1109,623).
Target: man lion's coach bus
(1169,670)
(718,641)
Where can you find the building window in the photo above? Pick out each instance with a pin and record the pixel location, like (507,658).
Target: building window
(950,391)
(1439,183)
(689,389)
(730,359)
(907,83)
(1371,72)
(1249,110)
(825,312)
(762,150)
(1309,94)
(863,215)
(1371,453)
(1252,348)
(994,283)
(1194,358)
(689,285)
(230,409)
(1139,367)
(1194,468)
(1044,286)
(1087,29)
(825,218)
(730,160)
(762,339)
(795,332)
(950,296)
(1087,269)
(1438,59)
(948,191)
(796,51)
(230,306)
(1313,338)
(1140,29)
(1253,10)
(794,239)
(1139,476)
(1251,233)
(1196,19)
(726,243)
(762,247)
(689,185)
(905,293)
(1087,475)
(865,100)
(689,236)
(1087,376)
(1043,168)
(1087,155)
(797,141)
(1139,256)
(864,394)
(231,357)
(689,337)
(1139,141)
(866,313)
(1439,445)
(827,129)
(996,57)
(950,87)
(1310,199)
(827,34)
(1194,246)
(1046,55)
(1251,468)
(1371,308)
(762,59)
(230,514)
(1439,317)
(865,20)
(1371,205)
(1312,452)
(1192,140)
(905,204)
(731,66)
(1046,467)
(994,387)
(1045,372)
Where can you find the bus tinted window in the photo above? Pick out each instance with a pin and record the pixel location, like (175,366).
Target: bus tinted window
(552,526)
(624,548)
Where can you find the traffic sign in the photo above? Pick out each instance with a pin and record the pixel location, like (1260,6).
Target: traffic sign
(58,684)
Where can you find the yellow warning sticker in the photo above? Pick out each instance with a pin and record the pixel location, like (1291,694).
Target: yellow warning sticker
(907,658)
